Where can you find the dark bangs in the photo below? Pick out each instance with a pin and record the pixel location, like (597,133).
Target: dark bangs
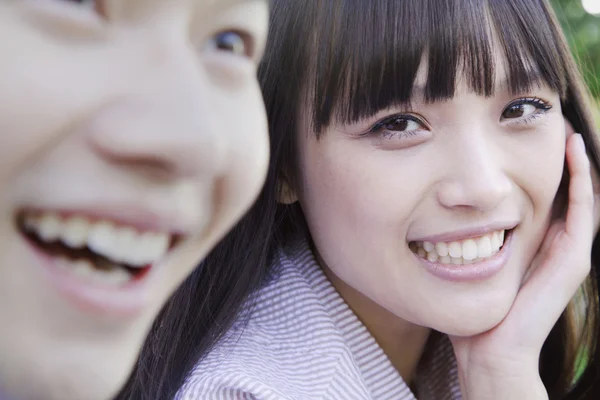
(368,53)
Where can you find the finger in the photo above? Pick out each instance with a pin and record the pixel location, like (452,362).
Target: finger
(569,130)
(560,202)
(564,261)
(579,220)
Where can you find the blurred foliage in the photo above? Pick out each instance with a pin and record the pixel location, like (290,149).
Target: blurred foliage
(583,34)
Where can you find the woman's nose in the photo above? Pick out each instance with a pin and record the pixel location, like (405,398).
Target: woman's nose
(476,178)
(166,123)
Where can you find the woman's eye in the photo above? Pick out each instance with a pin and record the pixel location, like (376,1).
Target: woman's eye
(398,125)
(525,109)
(399,131)
(232,42)
(518,111)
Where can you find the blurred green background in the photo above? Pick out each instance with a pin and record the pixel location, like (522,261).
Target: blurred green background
(583,33)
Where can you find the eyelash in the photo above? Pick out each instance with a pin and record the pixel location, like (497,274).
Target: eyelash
(542,107)
(379,127)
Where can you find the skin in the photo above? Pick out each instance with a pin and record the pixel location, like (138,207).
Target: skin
(130,104)
(503,363)
(463,165)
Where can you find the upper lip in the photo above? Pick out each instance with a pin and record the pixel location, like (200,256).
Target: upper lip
(466,233)
(138,217)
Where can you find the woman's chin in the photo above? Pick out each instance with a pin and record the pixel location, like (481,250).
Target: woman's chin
(472,322)
(470,329)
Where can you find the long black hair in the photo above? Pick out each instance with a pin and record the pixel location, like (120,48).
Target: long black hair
(348,59)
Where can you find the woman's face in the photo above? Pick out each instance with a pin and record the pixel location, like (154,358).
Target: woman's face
(434,213)
(133,136)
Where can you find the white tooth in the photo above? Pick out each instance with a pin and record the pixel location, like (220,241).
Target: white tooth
(145,250)
(149,247)
(114,277)
(469,250)
(82,268)
(432,256)
(101,238)
(442,249)
(428,246)
(495,242)
(49,227)
(457,261)
(421,252)
(455,250)
(75,232)
(445,260)
(126,242)
(484,247)
(501,237)
(160,244)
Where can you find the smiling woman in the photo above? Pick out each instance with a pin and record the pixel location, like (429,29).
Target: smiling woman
(117,174)
(411,240)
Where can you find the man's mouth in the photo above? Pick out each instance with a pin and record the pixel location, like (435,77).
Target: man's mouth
(101,252)
(468,251)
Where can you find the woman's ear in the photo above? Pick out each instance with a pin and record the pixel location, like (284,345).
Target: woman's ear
(287,195)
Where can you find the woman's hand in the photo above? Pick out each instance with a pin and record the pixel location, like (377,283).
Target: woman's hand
(503,362)
(595,182)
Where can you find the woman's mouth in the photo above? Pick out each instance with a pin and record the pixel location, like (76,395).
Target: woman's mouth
(468,251)
(99,252)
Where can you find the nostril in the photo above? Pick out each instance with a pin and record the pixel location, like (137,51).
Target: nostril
(155,168)
(158,138)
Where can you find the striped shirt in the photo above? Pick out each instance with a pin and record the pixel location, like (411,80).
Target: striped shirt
(302,342)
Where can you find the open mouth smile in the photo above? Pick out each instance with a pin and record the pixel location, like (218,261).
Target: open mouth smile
(101,264)
(102,252)
(461,252)
(469,259)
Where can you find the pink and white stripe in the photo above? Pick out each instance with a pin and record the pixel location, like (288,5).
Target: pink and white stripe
(302,342)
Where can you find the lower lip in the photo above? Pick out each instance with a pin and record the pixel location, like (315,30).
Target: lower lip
(478,271)
(125,301)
